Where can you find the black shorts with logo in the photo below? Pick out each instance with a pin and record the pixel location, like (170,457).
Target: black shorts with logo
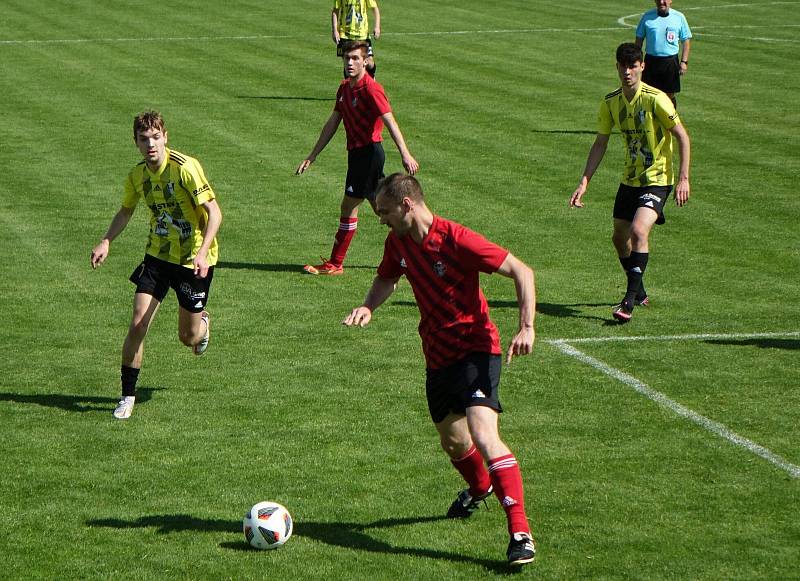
(473,380)
(629,199)
(364,171)
(663,73)
(155,277)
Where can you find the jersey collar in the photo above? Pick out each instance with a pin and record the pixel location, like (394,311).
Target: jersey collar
(162,167)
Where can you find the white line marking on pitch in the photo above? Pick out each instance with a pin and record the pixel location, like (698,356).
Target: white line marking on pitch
(662,400)
(699,337)
(622,19)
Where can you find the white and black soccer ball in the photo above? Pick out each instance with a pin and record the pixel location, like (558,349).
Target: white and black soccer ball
(268,525)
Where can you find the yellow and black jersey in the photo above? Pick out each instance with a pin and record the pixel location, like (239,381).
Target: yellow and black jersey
(645,124)
(353,20)
(175,194)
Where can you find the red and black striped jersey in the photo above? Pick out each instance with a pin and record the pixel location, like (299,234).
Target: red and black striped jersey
(444,275)
(361,108)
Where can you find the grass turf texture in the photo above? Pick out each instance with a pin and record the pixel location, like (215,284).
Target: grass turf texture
(288,405)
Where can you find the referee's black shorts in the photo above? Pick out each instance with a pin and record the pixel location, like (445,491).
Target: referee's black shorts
(663,73)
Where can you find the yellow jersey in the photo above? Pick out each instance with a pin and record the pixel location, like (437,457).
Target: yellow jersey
(645,124)
(353,20)
(175,194)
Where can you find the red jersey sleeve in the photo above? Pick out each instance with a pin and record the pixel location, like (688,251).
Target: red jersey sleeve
(477,252)
(390,266)
(379,100)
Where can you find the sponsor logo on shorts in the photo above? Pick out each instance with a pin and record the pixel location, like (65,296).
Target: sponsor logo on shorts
(649,198)
(478,394)
(403,263)
(187,290)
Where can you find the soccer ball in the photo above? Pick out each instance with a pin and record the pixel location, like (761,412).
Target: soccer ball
(268,525)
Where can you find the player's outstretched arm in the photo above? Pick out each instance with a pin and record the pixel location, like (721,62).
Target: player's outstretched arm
(409,162)
(327,133)
(596,153)
(524,284)
(684,147)
(118,223)
(382,289)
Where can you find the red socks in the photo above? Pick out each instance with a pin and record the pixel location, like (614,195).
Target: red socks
(347,229)
(471,468)
(507,482)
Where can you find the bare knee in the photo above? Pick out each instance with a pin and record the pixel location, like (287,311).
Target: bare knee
(639,236)
(138,329)
(455,447)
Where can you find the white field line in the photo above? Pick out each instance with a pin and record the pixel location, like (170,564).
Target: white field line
(664,401)
(269,36)
(698,337)
(622,19)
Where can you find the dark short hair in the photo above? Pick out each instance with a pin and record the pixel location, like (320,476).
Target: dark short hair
(147,120)
(397,186)
(351,45)
(628,54)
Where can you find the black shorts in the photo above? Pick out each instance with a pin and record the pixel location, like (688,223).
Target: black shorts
(364,171)
(629,199)
(474,380)
(155,277)
(343,41)
(663,73)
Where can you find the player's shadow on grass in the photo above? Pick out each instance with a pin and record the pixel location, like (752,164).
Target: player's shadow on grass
(549,309)
(297,268)
(566,131)
(338,534)
(76,403)
(285,98)
(763,342)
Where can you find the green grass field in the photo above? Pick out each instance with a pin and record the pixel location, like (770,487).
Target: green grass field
(627,472)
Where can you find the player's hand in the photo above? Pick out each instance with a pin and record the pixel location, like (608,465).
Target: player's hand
(303,166)
(521,344)
(359,317)
(200,267)
(575,198)
(376,33)
(410,164)
(682,191)
(99,253)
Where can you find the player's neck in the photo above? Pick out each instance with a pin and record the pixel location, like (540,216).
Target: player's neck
(423,220)
(630,92)
(357,79)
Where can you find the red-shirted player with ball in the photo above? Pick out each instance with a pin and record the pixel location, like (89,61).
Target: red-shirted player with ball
(442,261)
